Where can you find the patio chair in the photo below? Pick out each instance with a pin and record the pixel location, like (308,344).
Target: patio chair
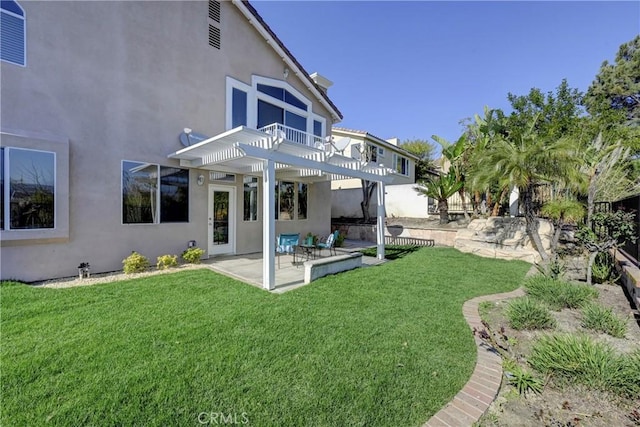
(287,244)
(330,243)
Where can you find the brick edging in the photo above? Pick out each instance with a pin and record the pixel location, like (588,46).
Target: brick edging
(478,393)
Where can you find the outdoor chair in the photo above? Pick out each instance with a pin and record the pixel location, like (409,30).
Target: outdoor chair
(287,244)
(330,243)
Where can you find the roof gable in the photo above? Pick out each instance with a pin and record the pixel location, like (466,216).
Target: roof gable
(258,22)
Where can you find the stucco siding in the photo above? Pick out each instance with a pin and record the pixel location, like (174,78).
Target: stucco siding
(119,81)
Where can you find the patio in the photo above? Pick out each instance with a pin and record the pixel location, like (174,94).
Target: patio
(248,268)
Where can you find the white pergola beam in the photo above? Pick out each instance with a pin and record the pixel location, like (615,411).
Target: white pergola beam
(380,221)
(260,153)
(269,226)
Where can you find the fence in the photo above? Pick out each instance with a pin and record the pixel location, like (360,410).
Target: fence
(631,204)
(414,241)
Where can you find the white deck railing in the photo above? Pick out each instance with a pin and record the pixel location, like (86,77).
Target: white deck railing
(294,135)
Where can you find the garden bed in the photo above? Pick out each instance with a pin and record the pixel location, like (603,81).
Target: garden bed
(567,401)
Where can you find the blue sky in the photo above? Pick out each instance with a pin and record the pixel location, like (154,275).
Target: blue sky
(414,69)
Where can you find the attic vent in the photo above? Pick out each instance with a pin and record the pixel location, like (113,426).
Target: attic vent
(214,36)
(214,10)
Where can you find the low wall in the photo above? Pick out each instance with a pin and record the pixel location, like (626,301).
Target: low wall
(502,237)
(441,237)
(630,276)
(317,268)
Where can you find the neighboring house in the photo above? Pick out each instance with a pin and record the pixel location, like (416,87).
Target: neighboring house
(95,162)
(346,194)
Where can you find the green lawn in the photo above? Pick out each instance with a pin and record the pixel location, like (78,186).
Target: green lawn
(377,346)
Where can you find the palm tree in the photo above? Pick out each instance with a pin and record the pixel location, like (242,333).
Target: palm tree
(455,154)
(440,188)
(522,159)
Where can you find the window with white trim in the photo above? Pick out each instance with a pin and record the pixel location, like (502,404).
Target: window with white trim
(13,33)
(153,194)
(291,200)
(28,189)
(371,154)
(268,101)
(250,204)
(401,164)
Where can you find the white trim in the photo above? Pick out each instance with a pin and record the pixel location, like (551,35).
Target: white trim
(231,84)
(24,36)
(253,95)
(323,124)
(267,81)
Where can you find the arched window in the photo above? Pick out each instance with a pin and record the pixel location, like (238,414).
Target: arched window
(13,33)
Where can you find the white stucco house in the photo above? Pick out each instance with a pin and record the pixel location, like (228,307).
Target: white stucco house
(346,194)
(146,125)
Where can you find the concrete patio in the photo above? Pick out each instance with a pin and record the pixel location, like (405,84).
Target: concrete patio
(248,268)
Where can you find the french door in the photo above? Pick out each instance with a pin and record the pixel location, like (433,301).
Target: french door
(222,215)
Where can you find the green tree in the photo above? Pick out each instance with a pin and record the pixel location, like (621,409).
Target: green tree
(615,93)
(424,151)
(440,188)
(525,159)
(455,154)
(604,172)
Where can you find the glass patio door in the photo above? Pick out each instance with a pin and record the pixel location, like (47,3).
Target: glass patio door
(222,213)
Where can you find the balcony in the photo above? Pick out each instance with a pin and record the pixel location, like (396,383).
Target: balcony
(295,135)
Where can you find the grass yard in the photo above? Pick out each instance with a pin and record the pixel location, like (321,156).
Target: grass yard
(377,346)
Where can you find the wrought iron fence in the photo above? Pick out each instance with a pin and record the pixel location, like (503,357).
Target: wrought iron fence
(414,241)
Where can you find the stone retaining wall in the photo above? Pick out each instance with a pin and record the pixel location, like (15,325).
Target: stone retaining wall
(441,237)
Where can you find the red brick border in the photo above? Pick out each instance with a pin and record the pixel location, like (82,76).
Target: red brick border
(482,388)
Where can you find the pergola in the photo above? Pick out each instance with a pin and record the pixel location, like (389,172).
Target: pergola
(293,155)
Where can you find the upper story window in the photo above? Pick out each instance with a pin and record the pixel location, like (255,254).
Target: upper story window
(402,165)
(269,101)
(13,33)
(27,178)
(282,95)
(371,155)
(239,108)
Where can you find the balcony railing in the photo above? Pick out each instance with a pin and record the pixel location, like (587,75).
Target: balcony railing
(294,135)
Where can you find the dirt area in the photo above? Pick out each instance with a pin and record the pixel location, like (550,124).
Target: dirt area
(559,406)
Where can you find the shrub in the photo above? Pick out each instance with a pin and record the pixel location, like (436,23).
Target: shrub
(167,261)
(340,240)
(552,269)
(523,380)
(135,263)
(602,319)
(525,313)
(603,268)
(193,255)
(580,359)
(559,294)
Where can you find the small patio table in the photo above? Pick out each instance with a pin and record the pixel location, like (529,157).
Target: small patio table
(309,251)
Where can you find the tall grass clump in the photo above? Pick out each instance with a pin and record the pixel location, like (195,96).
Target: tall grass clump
(603,319)
(526,313)
(559,294)
(580,359)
